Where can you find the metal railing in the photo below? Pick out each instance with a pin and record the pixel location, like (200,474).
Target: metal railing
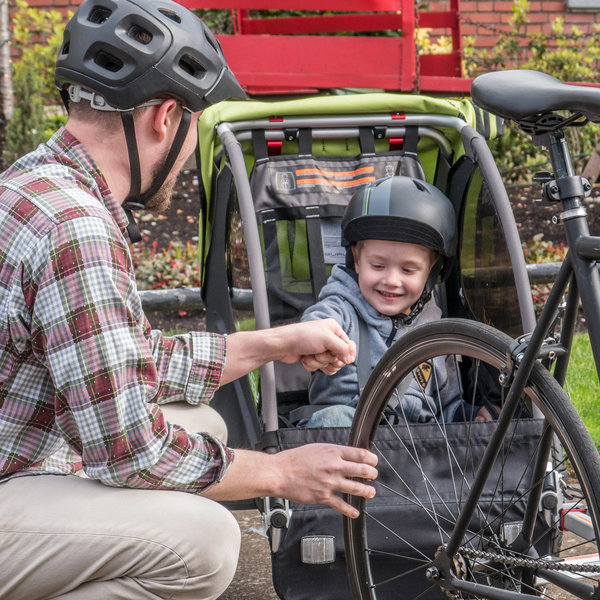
(191,298)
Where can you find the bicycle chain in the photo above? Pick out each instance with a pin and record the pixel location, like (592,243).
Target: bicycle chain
(512,561)
(529,563)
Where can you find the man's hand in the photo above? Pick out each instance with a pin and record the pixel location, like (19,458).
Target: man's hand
(321,344)
(317,473)
(310,474)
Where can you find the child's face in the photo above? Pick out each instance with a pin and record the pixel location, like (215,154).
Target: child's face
(391,275)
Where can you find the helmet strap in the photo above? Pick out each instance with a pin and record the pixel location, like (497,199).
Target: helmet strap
(434,273)
(64,96)
(178,141)
(135,200)
(416,308)
(132,200)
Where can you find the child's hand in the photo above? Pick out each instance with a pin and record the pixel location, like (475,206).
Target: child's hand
(325,362)
(483,414)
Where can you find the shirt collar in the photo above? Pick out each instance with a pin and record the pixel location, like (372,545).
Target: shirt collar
(71,152)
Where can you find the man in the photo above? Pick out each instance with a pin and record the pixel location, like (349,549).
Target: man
(81,373)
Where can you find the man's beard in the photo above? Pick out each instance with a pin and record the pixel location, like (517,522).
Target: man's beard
(161,200)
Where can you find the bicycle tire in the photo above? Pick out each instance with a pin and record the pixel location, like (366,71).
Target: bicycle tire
(485,348)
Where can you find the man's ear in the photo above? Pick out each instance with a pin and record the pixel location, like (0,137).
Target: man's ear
(163,116)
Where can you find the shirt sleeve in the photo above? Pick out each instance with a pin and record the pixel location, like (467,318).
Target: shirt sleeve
(189,366)
(109,370)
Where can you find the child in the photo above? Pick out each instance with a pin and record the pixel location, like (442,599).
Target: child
(400,238)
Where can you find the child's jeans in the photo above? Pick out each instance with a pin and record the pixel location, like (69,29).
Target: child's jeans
(336,415)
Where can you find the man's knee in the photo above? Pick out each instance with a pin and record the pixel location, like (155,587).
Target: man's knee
(125,543)
(197,419)
(211,566)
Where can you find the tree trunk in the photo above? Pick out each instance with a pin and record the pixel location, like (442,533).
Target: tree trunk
(6,93)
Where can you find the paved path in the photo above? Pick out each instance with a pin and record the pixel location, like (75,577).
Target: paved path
(252,580)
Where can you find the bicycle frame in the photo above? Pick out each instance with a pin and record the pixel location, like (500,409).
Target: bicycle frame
(580,274)
(570,191)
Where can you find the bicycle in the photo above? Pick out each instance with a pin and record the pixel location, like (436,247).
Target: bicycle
(495,533)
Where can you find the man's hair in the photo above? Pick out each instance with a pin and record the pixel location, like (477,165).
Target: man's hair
(82,111)
(109,120)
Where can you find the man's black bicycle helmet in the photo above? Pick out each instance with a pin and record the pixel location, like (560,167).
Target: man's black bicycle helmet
(129,51)
(403,209)
(119,54)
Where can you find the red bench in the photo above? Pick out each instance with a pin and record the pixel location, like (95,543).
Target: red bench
(307,52)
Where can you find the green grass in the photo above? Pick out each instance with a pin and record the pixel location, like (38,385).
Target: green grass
(582,382)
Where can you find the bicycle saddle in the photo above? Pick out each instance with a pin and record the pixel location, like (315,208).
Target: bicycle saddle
(521,93)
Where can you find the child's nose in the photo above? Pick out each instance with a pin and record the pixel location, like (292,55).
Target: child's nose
(394,278)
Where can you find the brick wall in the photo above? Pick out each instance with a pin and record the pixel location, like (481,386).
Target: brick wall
(481,19)
(62,5)
(484,19)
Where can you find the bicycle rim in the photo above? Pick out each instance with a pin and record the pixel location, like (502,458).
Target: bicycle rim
(426,471)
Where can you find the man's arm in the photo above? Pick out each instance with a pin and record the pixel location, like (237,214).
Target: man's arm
(310,474)
(316,344)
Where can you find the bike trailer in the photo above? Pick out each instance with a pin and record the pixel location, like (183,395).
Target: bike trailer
(276,177)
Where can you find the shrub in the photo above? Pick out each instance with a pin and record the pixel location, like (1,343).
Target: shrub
(36,38)
(538,250)
(564,53)
(173,267)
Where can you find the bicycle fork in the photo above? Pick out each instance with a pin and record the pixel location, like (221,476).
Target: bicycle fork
(580,273)
(525,352)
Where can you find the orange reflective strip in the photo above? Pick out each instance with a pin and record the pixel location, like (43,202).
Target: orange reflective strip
(335,173)
(320,181)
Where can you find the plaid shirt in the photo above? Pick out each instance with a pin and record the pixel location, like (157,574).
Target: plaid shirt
(81,371)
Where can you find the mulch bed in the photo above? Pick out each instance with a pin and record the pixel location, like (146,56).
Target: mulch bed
(534,217)
(179,222)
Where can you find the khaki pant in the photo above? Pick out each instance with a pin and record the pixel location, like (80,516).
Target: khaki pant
(74,538)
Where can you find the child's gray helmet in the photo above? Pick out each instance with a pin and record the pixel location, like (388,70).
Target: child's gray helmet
(403,209)
(129,51)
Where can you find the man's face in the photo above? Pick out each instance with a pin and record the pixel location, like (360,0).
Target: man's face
(160,201)
(391,275)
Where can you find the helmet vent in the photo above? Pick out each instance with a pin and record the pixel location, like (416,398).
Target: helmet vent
(65,48)
(191,66)
(139,34)
(170,15)
(99,14)
(108,61)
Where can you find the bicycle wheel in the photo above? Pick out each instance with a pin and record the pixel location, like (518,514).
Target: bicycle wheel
(397,548)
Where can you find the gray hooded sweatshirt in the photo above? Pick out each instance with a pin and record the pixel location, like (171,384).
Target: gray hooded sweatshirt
(341,300)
